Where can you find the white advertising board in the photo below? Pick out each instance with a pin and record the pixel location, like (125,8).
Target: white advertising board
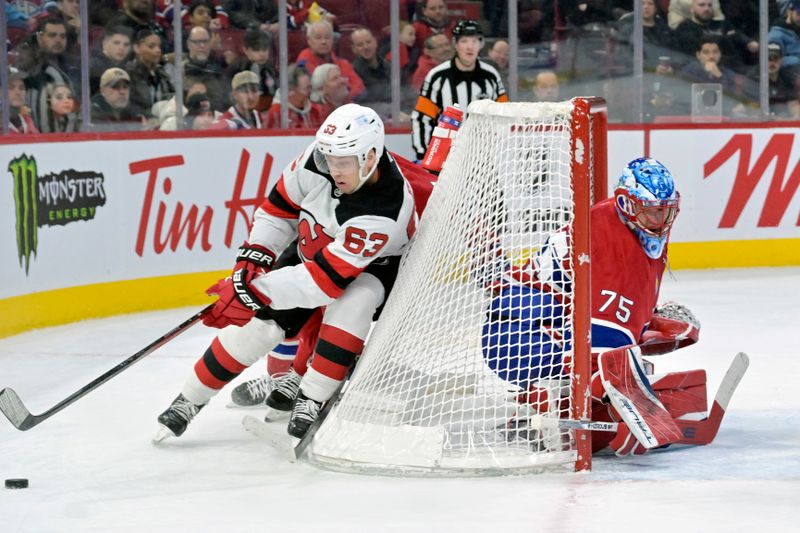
(735,183)
(95,211)
(88,212)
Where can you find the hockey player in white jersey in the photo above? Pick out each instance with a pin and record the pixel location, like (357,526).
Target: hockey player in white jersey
(352,212)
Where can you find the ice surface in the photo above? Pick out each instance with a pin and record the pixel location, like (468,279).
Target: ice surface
(92,467)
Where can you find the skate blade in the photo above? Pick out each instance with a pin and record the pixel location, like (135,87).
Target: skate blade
(232,405)
(162,434)
(273,435)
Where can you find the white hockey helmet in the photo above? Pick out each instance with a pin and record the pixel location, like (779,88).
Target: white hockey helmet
(351,130)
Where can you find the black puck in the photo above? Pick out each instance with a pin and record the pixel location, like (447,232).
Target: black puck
(17,483)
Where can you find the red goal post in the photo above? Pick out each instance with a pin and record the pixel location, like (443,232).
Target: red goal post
(450,383)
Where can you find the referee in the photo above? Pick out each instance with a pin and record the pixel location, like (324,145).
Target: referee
(459,81)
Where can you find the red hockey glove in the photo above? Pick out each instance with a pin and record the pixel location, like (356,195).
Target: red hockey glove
(254,258)
(238,301)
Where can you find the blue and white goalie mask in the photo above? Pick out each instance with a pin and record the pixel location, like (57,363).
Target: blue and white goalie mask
(648,203)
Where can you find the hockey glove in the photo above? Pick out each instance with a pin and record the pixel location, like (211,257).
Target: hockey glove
(672,327)
(238,301)
(254,258)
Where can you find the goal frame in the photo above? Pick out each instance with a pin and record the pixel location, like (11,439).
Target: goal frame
(590,181)
(368,432)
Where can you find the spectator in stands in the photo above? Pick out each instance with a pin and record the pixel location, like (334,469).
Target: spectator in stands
(201,13)
(783,86)
(372,69)
(45,62)
(115,50)
(787,35)
(497,56)
(432,18)
(16,18)
(257,47)
(302,12)
(213,10)
(253,14)
(111,110)
(328,89)
(139,15)
(546,88)
(242,115)
(199,114)
(61,116)
(409,53)
(707,68)
(70,12)
(164,111)
(438,49)
(737,49)
(150,83)
(656,35)
(320,51)
(301,113)
(680,10)
(202,66)
(19,121)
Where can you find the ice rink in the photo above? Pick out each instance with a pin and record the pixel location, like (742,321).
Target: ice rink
(92,467)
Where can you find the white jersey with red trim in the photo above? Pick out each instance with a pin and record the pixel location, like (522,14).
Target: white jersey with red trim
(339,235)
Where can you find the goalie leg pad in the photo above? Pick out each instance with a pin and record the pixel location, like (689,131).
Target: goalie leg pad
(634,400)
(683,394)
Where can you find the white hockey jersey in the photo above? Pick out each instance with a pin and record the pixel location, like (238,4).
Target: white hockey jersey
(339,235)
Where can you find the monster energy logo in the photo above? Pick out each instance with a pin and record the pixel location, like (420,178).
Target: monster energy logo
(55,199)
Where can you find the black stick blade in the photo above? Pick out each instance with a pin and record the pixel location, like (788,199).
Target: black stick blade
(15,411)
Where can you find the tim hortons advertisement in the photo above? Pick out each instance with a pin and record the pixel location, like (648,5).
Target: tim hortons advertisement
(79,213)
(736,184)
(88,212)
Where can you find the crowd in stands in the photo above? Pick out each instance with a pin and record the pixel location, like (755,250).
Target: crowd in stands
(339,52)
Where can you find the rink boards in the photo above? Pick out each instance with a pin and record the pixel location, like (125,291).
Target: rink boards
(93,226)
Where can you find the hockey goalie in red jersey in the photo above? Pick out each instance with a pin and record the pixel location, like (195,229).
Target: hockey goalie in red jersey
(629,238)
(352,212)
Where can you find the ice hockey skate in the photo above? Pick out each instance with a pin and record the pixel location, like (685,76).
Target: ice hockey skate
(279,402)
(252,393)
(176,418)
(304,413)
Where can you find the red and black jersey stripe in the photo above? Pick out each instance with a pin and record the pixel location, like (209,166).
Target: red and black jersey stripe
(217,367)
(279,204)
(331,273)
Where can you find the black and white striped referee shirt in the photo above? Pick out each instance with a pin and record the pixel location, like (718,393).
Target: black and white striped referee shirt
(445,85)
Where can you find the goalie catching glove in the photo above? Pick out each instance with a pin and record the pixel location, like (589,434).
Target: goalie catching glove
(672,327)
(238,300)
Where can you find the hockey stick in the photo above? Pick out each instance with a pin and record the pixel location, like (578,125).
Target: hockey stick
(702,432)
(11,405)
(292,449)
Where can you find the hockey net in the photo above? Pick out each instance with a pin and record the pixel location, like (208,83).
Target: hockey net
(424,398)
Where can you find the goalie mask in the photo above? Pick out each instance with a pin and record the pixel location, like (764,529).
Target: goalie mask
(351,130)
(647,202)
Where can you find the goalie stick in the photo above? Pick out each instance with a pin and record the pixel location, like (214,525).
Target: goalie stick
(694,432)
(701,432)
(11,405)
(291,448)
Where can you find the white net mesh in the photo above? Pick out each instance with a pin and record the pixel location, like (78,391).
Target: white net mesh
(450,383)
